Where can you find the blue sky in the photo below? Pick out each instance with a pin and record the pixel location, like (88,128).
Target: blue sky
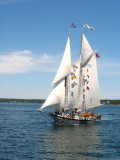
(33,35)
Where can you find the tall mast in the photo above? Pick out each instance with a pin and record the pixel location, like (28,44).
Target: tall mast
(66,91)
(81,43)
(67,78)
(67,86)
(80,89)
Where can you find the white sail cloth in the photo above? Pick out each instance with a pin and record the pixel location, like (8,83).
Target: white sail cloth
(74,85)
(65,66)
(86,49)
(56,97)
(90,87)
(84,89)
(90,78)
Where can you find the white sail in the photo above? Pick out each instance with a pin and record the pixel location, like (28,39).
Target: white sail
(86,50)
(91,88)
(65,66)
(75,88)
(74,84)
(90,78)
(56,97)
(80,88)
(82,81)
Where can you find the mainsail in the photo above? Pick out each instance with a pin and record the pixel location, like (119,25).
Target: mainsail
(89,76)
(90,87)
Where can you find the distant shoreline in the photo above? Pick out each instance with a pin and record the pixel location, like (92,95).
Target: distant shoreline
(15,100)
(110,101)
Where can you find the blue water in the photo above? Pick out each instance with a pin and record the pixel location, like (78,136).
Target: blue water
(26,134)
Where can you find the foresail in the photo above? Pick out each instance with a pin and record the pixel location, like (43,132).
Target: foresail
(88,88)
(56,97)
(65,66)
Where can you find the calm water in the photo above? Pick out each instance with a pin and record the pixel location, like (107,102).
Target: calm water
(25,134)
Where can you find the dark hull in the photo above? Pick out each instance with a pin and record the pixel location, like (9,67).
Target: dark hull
(62,120)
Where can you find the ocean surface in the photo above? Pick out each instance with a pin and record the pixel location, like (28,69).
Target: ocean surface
(25,135)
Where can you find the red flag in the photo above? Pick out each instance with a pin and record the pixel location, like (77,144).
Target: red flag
(74,66)
(88,88)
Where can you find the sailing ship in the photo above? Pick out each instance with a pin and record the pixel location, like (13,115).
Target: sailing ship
(75,88)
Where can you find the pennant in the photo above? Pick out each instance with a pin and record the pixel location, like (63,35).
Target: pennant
(85,80)
(72,85)
(88,76)
(83,90)
(72,94)
(72,74)
(87,88)
(73,25)
(86,26)
(97,55)
(74,66)
(74,70)
(74,77)
(75,83)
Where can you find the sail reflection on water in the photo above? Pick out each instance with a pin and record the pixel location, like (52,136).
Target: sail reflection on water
(72,141)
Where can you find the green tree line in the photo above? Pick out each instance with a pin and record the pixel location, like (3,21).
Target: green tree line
(108,101)
(12,100)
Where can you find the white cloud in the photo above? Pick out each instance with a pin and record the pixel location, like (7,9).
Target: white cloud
(24,61)
(109,68)
(16,62)
(47,63)
(108,64)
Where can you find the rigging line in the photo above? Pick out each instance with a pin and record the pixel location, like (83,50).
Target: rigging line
(89,58)
(46,115)
(81,71)
(43,114)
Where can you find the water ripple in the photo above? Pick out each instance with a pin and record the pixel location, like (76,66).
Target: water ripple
(25,134)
